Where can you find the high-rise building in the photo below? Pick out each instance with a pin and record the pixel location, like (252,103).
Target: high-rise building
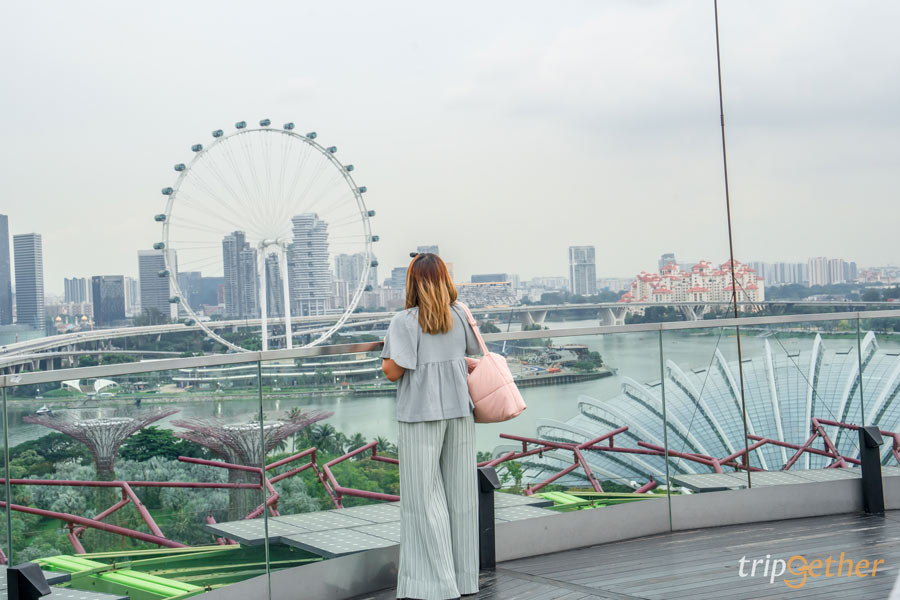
(248,292)
(210,291)
(132,297)
(6,298)
(818,271)
(155,287)
(490,278)
(836,270)
(190,286)
(665,259)
(349,267)
(398,278)
(29,260)
(309,269)
(274,287)
(428,249)
(232,246)
(108,292)
(582,271)
(76,289)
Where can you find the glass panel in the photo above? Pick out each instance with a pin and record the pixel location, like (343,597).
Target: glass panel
(5,518)
(705,386)
(129,468)
(879,351)
(330,440)
(599,392)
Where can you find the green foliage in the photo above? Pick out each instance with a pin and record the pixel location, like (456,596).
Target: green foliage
(88,361)
(488,327)
(112,359)
(155,442)
(39,457)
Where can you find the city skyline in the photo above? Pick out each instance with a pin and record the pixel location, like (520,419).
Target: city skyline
(497,122)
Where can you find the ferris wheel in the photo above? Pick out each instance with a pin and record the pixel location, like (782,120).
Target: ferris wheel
(281,220)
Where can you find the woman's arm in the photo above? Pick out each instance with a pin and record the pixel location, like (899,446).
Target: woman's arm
(392,370)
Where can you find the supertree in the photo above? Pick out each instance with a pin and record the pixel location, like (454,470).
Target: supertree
(102,435)
(245,444)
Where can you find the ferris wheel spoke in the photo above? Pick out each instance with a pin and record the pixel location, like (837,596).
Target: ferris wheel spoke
(234,225)
(238,173)
(203,186)
(330,189)
(242,200)
(301,166)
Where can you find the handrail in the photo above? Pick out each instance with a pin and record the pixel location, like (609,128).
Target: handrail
(251,357)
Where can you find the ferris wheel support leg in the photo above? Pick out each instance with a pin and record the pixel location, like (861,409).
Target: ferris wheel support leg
(263,309)
(283,267)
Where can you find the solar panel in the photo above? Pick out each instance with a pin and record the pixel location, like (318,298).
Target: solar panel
(389,531)
(252,532)
(376,513)
(322,520)
(336,542)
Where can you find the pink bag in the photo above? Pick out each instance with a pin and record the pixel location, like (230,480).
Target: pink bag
(491,384)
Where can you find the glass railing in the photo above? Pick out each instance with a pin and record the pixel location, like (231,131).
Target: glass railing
(184,475)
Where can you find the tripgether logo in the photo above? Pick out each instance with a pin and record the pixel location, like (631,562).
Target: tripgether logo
(801,568)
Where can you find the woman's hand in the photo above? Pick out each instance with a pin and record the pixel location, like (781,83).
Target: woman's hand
(471,363)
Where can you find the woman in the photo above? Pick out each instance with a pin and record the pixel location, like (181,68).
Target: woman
(424,350)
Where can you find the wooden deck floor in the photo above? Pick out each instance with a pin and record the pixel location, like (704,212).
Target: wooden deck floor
(704,564)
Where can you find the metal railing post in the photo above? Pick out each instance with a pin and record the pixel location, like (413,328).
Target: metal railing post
(870,442)
(487,548)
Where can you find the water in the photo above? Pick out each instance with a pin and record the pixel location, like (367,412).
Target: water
(635,355)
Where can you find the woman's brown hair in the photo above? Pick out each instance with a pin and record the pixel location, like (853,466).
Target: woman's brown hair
(428,286)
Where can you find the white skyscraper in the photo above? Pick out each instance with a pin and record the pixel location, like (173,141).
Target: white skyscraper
(310,273)
(582,271)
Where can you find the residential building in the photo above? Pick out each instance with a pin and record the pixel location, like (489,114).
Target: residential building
(29,267)
(428,249)
(818,271)
(703,283)
(582,271)
(235,287)
(6,295)
(836,268)
(309,269)
(76,290)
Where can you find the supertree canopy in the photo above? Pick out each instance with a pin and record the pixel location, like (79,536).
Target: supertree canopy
(244,444)
(102,435)
(241,443)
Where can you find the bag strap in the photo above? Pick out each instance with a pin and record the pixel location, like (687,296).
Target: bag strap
(474,324)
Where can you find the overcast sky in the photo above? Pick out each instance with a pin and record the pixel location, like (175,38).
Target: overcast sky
(502,131)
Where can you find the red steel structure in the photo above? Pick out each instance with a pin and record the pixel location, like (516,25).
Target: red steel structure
(76,525)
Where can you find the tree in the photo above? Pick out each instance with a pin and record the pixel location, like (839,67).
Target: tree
(153,441)
(488,327)
(88,361)
(871,296)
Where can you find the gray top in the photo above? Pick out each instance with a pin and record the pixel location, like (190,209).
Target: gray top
(434,385)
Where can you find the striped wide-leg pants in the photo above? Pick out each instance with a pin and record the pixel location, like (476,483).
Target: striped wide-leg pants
(438,506)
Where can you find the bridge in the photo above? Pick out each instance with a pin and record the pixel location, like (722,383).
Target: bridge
(62,350)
